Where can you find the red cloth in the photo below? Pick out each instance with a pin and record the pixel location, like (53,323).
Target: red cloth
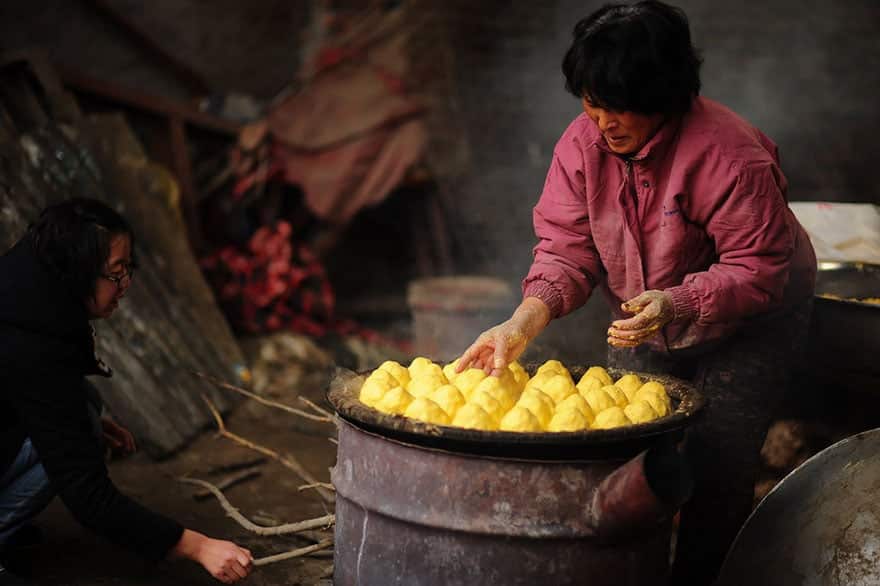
(701,213)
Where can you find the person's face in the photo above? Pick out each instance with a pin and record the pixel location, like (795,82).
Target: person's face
(115,280)
(625,132)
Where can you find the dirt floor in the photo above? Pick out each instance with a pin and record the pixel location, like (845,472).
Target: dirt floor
(71,555)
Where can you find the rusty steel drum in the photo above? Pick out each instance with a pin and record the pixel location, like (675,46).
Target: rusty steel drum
(820,526)
(421,504)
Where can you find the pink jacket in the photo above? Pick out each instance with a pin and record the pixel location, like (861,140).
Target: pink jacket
(700,211)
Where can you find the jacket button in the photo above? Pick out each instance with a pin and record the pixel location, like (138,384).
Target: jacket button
(645,184)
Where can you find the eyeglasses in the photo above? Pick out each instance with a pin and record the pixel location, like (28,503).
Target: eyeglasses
(118,280)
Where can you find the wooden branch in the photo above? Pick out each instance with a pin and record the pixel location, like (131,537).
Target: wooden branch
(229,481)
(296,553)
(326,485)
(333,440)
(236,466)
(287,461)
(322,418)
(318,409)
(250,525)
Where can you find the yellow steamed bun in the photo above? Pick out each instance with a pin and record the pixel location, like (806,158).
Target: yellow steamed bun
(558,388)
(494,387)
(398,371)
(374,388)
(449,398)
(519,419)
(449,370)
(395,401)
(568,420)
(489,403)
(615,392)
(418,365)
(538,403)
(600,374)
(629,384)
(610,418)
(424,409)
(425,383)
(598,400)
(472,416)
(575,401)
(466,381)
(640,412)
(552,365)
(660,403)
(519,374)
(588,382)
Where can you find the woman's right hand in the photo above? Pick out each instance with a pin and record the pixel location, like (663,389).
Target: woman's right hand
(497,347)
(224,560)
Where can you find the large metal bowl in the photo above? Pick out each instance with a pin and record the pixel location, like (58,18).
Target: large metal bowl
(621,442)
(844,340)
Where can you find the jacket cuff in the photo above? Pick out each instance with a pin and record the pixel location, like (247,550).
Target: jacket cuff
(685,303)
(546,292)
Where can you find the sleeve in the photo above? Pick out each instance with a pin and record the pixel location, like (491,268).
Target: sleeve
(566,265)
(54,412)
(754,244)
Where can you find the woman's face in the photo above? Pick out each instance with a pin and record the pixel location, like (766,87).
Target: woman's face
(114,282)
(625,132)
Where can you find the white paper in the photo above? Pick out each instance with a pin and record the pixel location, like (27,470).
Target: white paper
(841,231)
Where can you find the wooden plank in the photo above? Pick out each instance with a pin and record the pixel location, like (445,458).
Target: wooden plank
(150,103)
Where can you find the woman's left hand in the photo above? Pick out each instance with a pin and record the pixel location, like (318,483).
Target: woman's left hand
(117,437)
(652,309)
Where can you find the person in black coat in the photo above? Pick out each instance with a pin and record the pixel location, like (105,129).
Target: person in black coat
(74,265)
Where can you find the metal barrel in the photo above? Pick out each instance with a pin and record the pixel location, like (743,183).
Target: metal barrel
(418,516)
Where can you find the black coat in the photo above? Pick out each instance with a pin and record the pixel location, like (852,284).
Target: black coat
(46,350)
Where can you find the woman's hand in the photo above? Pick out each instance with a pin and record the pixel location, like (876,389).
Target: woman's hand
(652,309)
(224,560)
(497,347)
(117,437)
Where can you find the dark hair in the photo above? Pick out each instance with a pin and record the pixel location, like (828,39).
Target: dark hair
(636,58)
(72,239)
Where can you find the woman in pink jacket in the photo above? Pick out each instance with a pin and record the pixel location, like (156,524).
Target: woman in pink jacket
(676,209)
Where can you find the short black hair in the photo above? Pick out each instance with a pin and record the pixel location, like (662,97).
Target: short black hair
(635,58)
(72,239)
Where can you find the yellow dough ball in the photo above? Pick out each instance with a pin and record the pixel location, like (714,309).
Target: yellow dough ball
(398,371)
(654,387)
(640,412)
(539,404)
(424,409)
(384,377)
(598,400)
(489,403)
(615,392)
(553,365)
(519,419)
(600,374)
(395,401)
(472,416)
(537,381)
(660,403)
(374,389)
(418,364)
(575,401)
(519,374)
(466,381)
(610,418)
(558,388)
(496,388)
(449,370)
(629,384)
(568,420)
(449,398)
(588,382)
(423,385)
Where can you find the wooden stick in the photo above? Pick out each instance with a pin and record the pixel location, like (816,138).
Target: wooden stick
(296,553)
(236,466)
(318,409)
(326,485)
(333,440)
(322,418)
(287,461)
(250,525)
(229,481)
